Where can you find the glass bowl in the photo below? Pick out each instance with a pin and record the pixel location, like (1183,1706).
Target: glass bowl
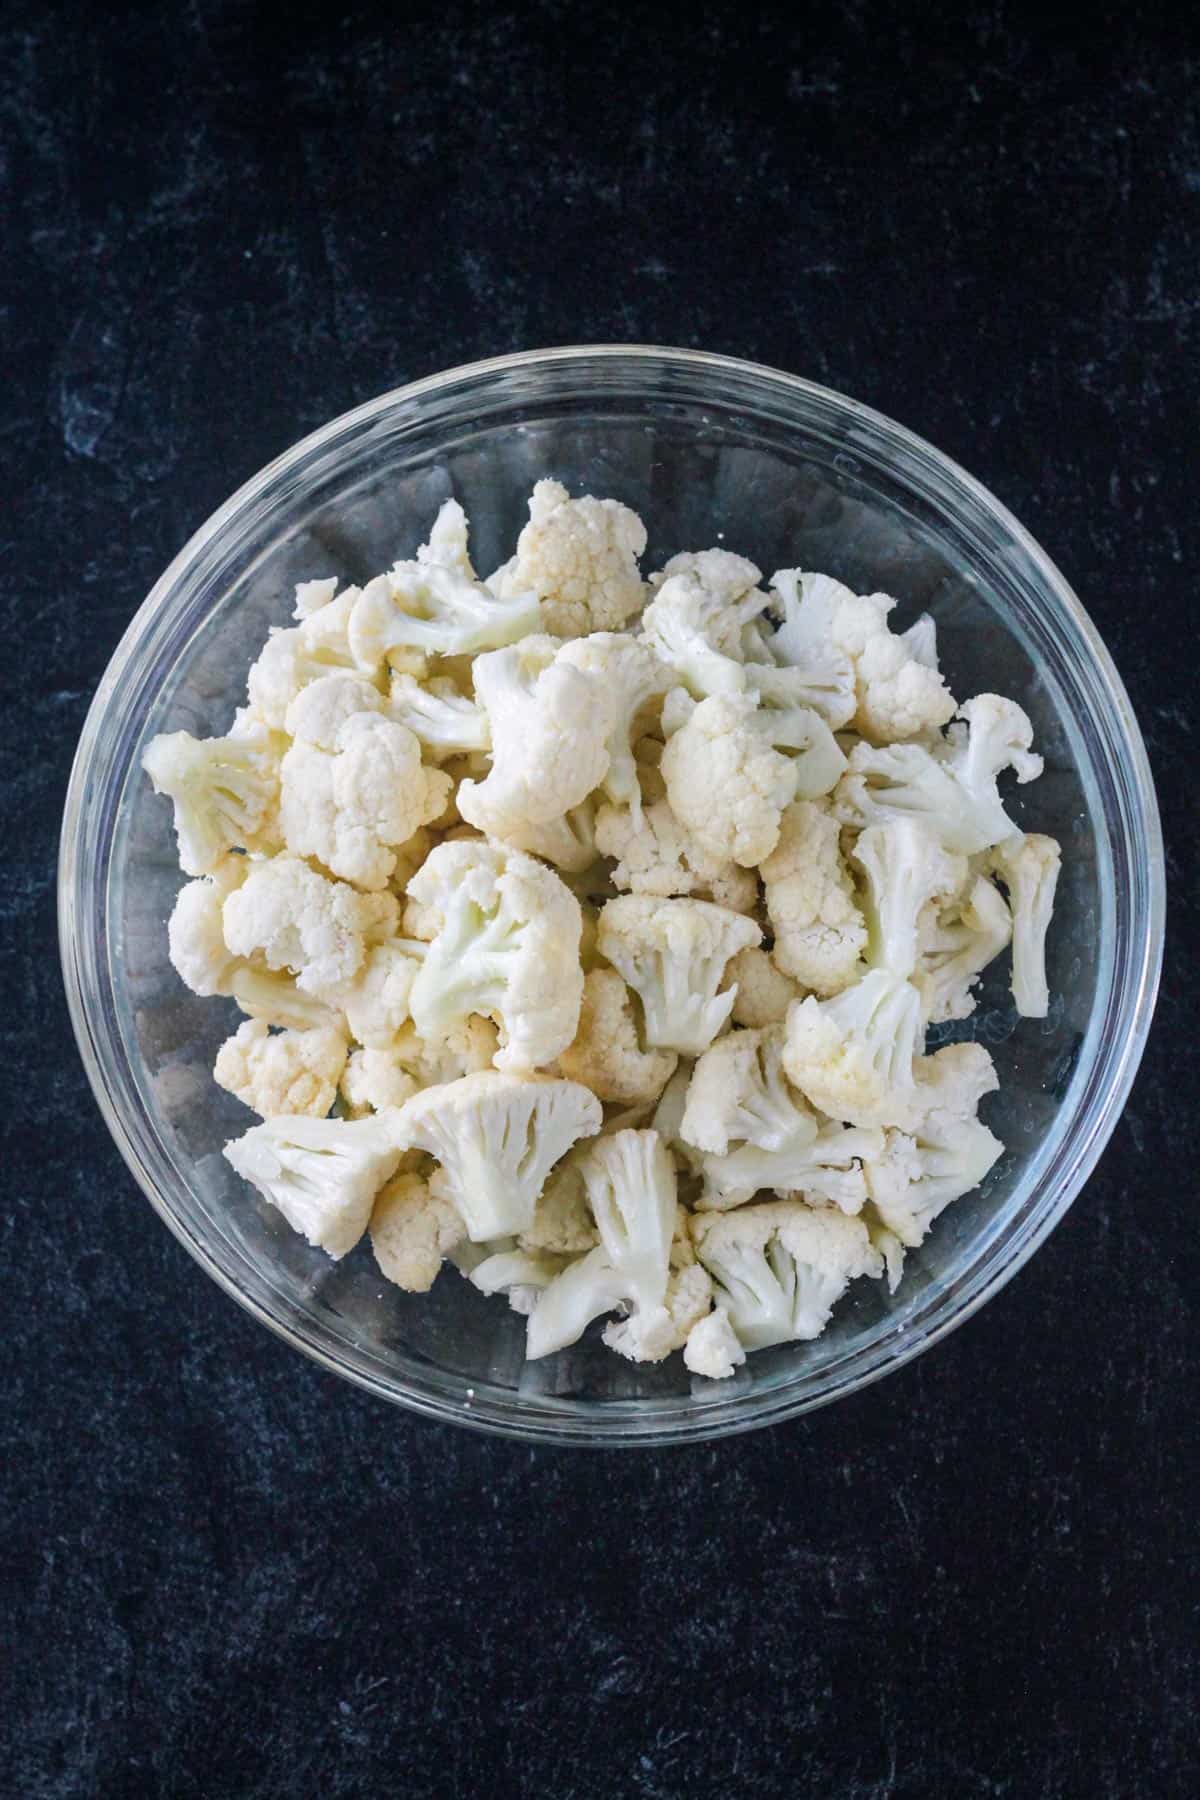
(708,450)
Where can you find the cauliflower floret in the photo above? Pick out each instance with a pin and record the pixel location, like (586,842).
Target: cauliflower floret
(779,1269)
(650,1337)
(632,677)
(518,1274)
(920,1172)
(376,1002)
(222,790)
(350,807)
(322,1174)
(550,723)
(373,1081)
(605,1054)
(299,920)
(655,855)
(699,632)
(713,1347)
(319,711)
(435,608)
(507,946)
(414,1227)
(569,843)
(764,992)
(953,789)
(448,539)
(290,660)
(726,784)
(955,944)
(906,869)
(630,1182)
(580,558)
(1029,870)
(444,721)
(311,596)
(562,1219)
(497,1137)
(674,954)
(274,998)
(852,1056)
(819,931)
(722,574)
(195,936)
(898,695)
(739,1092)
(284,1072)
(826,1170)
(953,1080)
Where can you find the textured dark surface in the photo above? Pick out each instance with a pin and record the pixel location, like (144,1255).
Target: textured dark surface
(225,1574)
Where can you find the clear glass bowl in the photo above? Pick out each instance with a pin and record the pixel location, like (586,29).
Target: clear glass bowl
(708,450)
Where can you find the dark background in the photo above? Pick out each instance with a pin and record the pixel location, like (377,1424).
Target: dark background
(226,1574)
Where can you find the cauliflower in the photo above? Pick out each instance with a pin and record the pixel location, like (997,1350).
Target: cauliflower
(274,998)
(507,945)
(630,1182)
(726,577)
(376,1001)
(953,788)
(955,945)
(374,1081)
(569,842)
(726,783)
(819,931)
(550,724)
(852,1056)
(764,992)
(1029,870)
(713,1347)
(519,1274)
(779,1269)
(739,1092)
(435,608)
(906,869)
(823,682)
(824,1169)
(222,790)
(290,660)
(650,1336)
(580,558)
(318,712)
(444,721)
(311,596)
(348,809)
(632,676)
(562,1219)
(414,1227)
(920,1172)
(674,954)
(296,919)
(897,694)
(497,1137)
(284,1072)
(605,1054)
(322,1174)
(447,544)
(195,935)
(655,855)
(954,1079)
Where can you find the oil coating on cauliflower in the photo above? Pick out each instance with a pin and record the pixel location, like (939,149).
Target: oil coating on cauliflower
(282,1072)
(820,934)
(580,559)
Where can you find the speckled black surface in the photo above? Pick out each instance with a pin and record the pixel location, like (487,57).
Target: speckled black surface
(224,1573)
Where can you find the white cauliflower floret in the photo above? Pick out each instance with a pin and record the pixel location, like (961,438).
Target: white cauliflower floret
(953,789)
(921,1171)
(825,1169)
(739,1092)
(448,539)
(350,808)
(290,660)
(376,1001)
(497,1137)
(764,992)
(444,721)
(898,695)
(435,608)
(723,574)
(632,677)
(699,634)
(311,596)
(550,724)
(414,1227)
(1029,869)
(373,1081)
(852,1056)
(650,1337)
(780,1269)
(222,790)
(518,1274)
(562,1219)
(713,1347)
(630,1182)
(273,997)
(507,946)
(283,1072)
(906,869)
(655,855)
(953,1080)
(580,558)
(819,931)
(955,944)
(823,682)
(674,954)
(921,639)
(319,711)
(298,920)
(322,1174)
(606,1055)
(726,783)
(195,936)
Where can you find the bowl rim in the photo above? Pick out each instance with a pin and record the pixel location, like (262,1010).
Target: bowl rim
(525,1418)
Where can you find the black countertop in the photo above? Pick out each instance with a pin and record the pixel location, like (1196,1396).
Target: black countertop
(226,1574)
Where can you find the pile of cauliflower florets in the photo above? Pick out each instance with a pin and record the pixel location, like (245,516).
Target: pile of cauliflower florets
(588,929)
